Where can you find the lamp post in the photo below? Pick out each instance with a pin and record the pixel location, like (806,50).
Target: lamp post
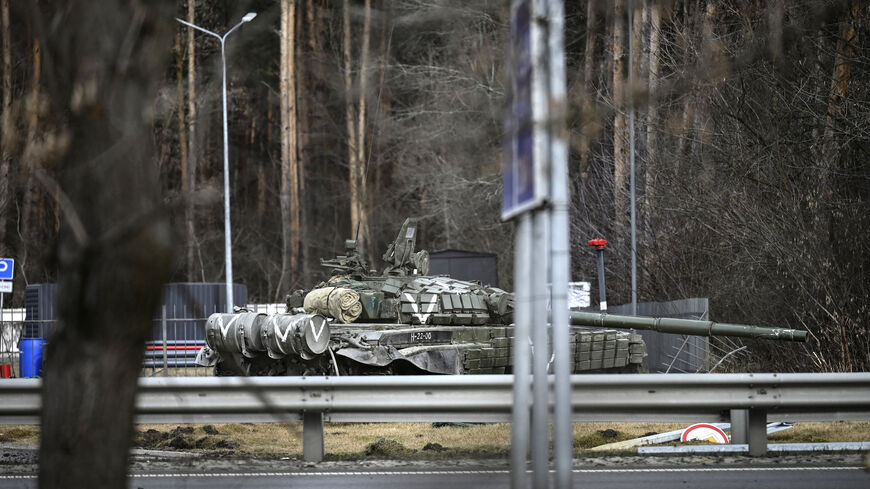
(227,238)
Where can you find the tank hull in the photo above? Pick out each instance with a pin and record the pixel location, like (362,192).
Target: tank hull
(397,349)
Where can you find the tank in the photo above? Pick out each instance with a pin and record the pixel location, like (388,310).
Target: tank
(404,321)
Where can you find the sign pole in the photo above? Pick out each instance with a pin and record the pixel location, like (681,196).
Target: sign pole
(536,191)
(7,272)
(521,427)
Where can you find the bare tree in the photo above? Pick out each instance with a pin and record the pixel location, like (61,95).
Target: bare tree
(290,181)
(8,138)
(589,120)
(190,153)
(620,39)
(103,60)
(355,117)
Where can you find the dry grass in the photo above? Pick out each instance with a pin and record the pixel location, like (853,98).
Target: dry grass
(178,372)
(823,432)
(589,435)
(24,435)
(351,441)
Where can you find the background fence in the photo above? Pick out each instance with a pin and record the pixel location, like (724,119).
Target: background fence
(176,337)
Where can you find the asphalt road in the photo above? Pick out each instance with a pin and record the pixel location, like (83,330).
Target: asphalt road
(634,478)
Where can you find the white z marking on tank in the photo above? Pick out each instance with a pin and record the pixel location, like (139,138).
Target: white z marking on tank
(225,329)
(318,332)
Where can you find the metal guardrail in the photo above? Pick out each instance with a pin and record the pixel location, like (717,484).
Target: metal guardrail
(745,399)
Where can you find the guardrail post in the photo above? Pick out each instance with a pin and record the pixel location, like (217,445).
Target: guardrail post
(165,354)
(738,426)
(312,436)
(756,432)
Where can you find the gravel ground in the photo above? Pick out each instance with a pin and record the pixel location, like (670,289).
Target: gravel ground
(22,460)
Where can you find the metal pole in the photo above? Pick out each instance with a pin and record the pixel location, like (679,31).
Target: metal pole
(522,355)
(312,436)
(599,245)
(541,352)
(756,431)
(739,418)
(227,237)
(631,159)
(563,433)
(165,354)
(602,291)
(540,252)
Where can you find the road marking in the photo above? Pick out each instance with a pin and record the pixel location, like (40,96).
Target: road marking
(457,472)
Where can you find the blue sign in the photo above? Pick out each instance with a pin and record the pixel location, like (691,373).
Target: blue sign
(7,266)
(523,177)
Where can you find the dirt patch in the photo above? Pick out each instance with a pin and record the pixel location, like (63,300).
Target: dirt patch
(184,438)
(599,437)
(386,448)
(435,447)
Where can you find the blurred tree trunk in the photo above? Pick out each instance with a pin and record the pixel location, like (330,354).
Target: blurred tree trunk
(362,157)
(654,157)
(312,125)
(379,145)
(652,129)
(588,116)
(349,116)
(289,162)
(620,131)
(183,148)
(103,61)
(30,159)
(640,72)
(306,121)
(190,243)
(354,117)
(684,129)
(8,138)
(831,166)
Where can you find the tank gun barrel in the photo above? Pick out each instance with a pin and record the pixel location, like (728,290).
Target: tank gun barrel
(685,326)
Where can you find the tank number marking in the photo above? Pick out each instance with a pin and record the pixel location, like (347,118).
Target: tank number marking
(417,337)
(421,336)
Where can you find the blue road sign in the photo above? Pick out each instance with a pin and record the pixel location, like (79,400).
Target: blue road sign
(7,266)
(524,178)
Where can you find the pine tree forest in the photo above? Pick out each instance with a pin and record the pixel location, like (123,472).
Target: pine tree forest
(752,143)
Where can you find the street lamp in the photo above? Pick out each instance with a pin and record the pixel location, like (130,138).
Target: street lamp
(228,246)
